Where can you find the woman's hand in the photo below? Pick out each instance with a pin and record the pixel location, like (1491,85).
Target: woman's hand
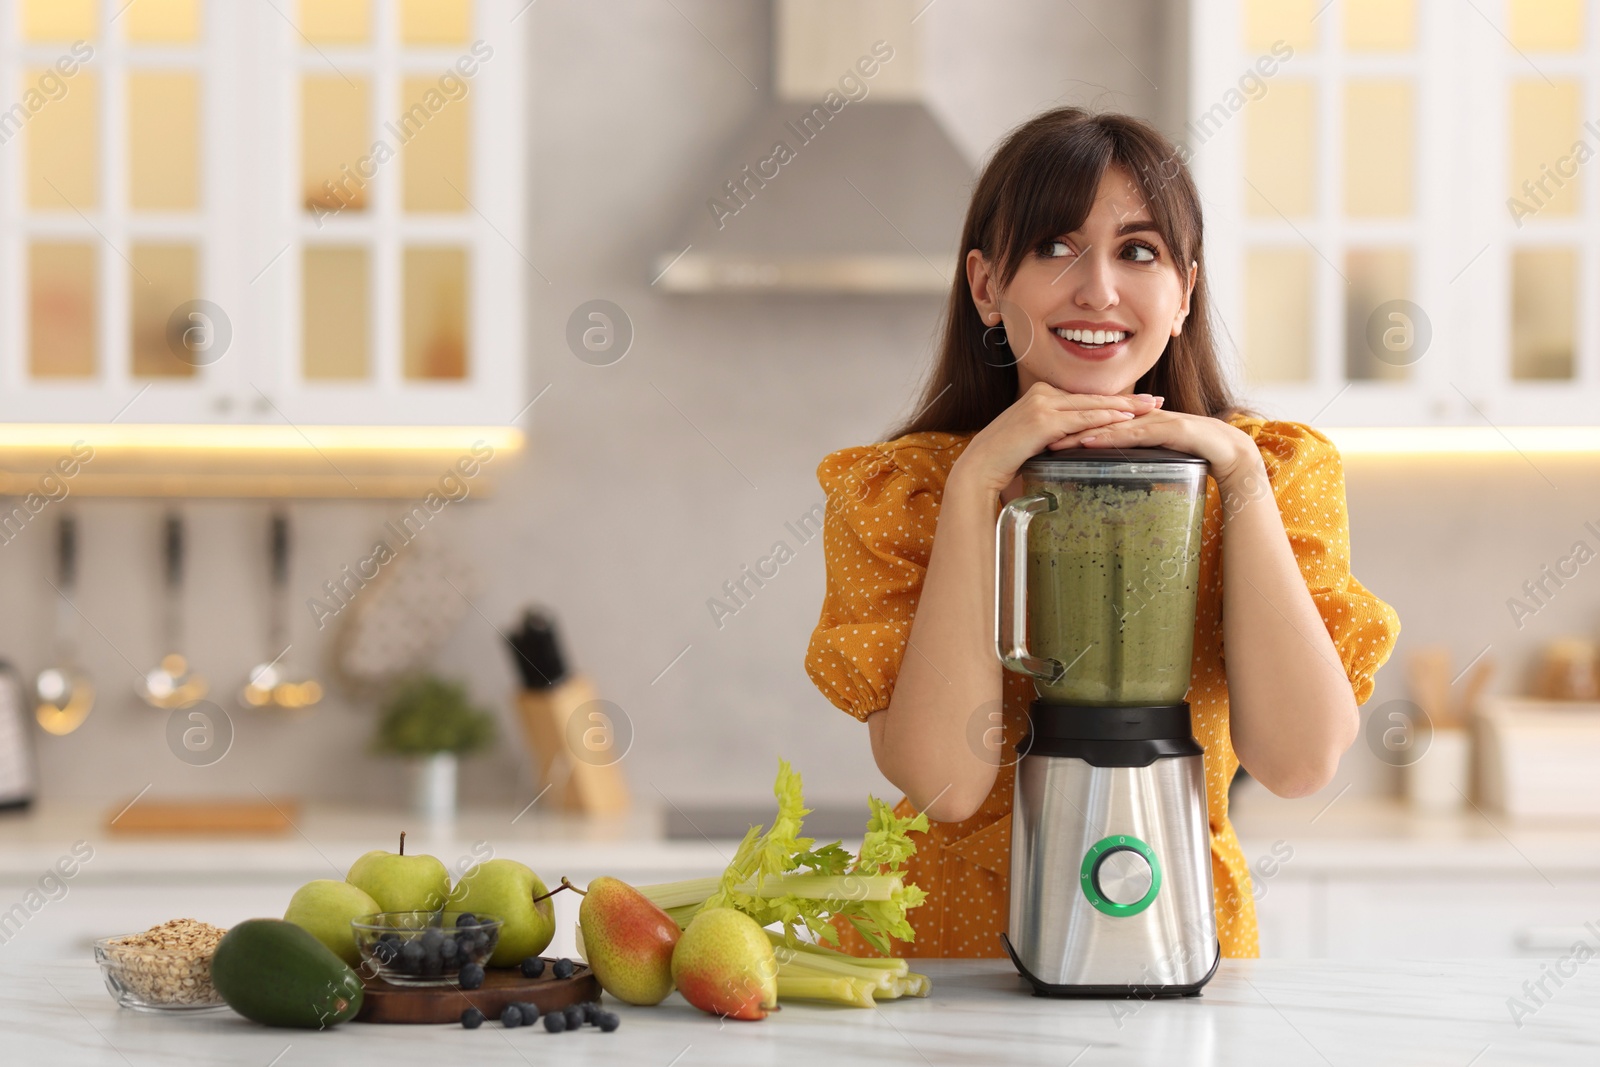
(1227,449)
(1044,416)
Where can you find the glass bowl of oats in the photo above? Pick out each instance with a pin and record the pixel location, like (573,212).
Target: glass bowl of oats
(164,968)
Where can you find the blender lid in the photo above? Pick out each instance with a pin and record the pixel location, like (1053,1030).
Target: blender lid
(1115,455)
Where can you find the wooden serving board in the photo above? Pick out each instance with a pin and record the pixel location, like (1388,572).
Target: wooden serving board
(386,1003)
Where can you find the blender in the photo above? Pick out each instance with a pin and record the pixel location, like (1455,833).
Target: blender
(1097,577)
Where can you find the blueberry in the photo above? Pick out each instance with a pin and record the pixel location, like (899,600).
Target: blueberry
(432,967)
(391,937)
(608,1021)
(574,1017)
(432,938)
(530,1012)
(466,918)
(472,1018)
(410,955)
(562,968)
(511,1016)
(591,1010)
(555,1022)
(471,976)
(385,952)
(532,967)
(449,949)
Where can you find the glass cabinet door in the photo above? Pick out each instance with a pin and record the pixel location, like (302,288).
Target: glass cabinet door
(214,211)
(1401,203)
(397,285)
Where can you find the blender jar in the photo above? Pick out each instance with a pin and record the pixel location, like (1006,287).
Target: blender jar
(1097,568)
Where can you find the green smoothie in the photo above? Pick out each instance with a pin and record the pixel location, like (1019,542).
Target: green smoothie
(1113,574)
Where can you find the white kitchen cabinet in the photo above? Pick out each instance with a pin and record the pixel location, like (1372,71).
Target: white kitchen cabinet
(1461,916)
(1367,916)
(179,161)
(1374,175)
(1288,918)
(1370,878)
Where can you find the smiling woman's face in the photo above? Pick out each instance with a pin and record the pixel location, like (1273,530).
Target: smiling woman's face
(1090,311)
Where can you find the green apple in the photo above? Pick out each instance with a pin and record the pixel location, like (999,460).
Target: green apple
(399,882)
(324,909)
(506,890)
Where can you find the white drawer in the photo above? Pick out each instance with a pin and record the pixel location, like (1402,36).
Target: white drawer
(1463,916)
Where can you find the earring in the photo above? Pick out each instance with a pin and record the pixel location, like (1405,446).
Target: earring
(989,340)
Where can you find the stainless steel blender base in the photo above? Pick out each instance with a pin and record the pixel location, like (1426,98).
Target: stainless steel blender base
(1111,890)
(1141,992)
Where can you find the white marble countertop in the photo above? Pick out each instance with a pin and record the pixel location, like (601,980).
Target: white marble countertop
(1343,834)
(328,837)
(1447,1012)
(1337,834)
(1302,846)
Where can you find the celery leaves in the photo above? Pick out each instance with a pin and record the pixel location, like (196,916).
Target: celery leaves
(754,881)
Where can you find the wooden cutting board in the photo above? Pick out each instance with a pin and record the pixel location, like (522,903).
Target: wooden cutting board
(385,1003)
(203,816)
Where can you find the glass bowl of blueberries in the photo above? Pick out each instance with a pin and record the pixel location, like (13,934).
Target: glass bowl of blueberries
(427,948)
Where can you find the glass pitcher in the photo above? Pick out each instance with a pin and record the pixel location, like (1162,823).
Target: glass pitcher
(1102,611)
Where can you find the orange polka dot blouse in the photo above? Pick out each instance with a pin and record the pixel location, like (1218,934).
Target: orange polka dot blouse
(883,508)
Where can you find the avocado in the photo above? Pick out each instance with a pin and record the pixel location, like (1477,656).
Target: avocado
(277,973)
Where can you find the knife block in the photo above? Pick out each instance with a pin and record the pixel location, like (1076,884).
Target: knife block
(575,785)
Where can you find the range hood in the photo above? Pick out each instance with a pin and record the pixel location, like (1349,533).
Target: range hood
(844,182)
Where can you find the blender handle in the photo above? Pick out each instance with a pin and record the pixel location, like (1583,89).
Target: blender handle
(1011,588)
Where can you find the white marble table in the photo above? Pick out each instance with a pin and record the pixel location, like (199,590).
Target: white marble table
(1412,1013)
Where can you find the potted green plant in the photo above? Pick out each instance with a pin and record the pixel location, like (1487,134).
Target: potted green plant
(432,721)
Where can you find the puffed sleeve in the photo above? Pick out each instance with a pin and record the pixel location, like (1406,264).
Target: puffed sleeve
(1307,478)
(877,533)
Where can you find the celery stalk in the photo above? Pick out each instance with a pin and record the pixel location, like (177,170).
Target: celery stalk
(838,990)
(800,966)
(891,965)
(669,895)
(850,887)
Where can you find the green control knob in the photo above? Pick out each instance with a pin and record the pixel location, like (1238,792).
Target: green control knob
(1120,875)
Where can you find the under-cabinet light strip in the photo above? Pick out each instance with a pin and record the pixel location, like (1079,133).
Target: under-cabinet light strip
(256,438)
(1458,440)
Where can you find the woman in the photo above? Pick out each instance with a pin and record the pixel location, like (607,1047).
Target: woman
(1080,319)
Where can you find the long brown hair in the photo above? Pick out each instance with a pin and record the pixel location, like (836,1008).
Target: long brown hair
(1041,183)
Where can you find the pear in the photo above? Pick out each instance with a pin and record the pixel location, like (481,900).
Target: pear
(507,890)
(399,882)
(724,964)
(628,941)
